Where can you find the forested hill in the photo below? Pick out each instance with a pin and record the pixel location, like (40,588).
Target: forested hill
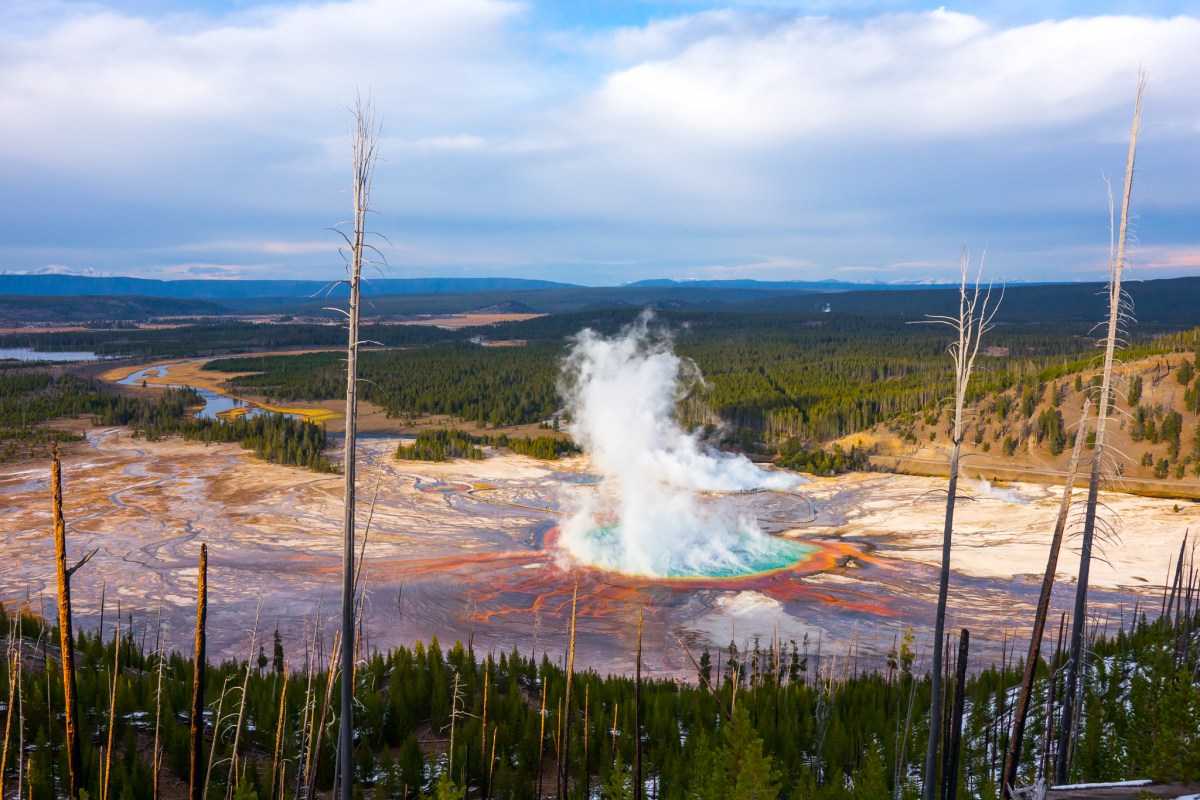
(57,308)
(1156,304)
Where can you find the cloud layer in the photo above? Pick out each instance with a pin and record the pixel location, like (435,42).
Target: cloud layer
(715,143)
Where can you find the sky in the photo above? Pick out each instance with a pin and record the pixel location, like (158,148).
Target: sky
(599,142)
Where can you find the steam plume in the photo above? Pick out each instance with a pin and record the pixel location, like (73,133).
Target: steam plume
(645,519)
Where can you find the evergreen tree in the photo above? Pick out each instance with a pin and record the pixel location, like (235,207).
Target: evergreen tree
(1185,373)
(738,770)
(1134,395)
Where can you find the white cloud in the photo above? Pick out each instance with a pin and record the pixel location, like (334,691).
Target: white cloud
(99,85)
(685,146)
(736,80)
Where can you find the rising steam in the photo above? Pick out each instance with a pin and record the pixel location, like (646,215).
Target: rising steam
(644,518)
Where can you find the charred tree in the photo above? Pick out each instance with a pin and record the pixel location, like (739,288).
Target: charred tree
(950,778)
(66,633)
(637,715)
(196,783)
(365,140)
(1021,711)
(1116,268)
(975,314)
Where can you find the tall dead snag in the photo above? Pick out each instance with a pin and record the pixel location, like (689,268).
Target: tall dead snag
(1021,711)
(196,783)
(975,314)
(106,770)
(1116,268)
(277,777)
(230,782)
(950,778)
(542,738)
(637,715)
(365,142)
(483,725)
(564,776)
(14,665)
(157,753)
(66,635)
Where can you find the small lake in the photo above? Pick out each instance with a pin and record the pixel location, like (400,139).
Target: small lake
(25,354)
(214,402)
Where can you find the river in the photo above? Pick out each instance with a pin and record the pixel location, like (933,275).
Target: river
(215,403)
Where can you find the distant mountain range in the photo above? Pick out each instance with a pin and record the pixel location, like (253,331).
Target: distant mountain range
(70,283)
(61,269)
(60,280)
(805,286)
(1159,304)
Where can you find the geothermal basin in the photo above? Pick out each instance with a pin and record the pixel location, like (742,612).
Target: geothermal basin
(473,550)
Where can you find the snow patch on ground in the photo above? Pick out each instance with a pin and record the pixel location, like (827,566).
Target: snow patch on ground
(1102,785)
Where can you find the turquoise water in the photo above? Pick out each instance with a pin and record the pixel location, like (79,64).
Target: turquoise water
(742,555)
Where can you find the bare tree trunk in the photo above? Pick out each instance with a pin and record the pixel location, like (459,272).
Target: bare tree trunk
(218,718)
(66,633)
(1089,526)
(541,738)
(112,706)
(637,715)
(587,776)
(492,759)
(237,731)
(975,314)
(950,778)
(20,718)
(935,709)
(1013,759)
(365,146)
(565,771)
(318,730)
(278,779)
(485,777)
(156,760)
(14,658)
(197,733)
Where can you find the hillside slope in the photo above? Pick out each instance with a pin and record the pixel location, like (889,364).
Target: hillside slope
(1153,433)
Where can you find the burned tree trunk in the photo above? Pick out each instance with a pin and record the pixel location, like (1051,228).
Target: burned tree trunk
(975,314)
(637,715)
(66,634)
(1013,759)
(564,776)
(950,778)
(1117,264)
(365,139)
(196,782)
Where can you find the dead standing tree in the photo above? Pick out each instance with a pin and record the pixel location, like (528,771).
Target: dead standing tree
(365,146)
(196,782)
(66,635)
(1012,759)
(1115,297)
(975,314)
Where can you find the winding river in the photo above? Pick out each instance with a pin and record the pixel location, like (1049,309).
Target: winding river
(215,403)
